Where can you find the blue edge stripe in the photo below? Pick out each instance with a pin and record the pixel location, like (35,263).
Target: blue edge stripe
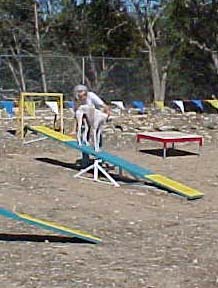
(9,214)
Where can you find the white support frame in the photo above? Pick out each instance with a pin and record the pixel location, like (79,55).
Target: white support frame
(97,167)
(35,140)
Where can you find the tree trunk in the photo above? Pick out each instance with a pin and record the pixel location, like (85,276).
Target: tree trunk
(11,67)
(164,81)
(159,78)
(155,74)
(19,61)
(20,65)
(214,56)
(38,45)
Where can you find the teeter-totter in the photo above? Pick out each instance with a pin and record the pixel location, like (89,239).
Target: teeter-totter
(133,169)
(47,225)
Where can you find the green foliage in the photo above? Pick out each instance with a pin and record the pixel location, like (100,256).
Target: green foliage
(16,21)
(192,74)
(113,28)
(104,28)
(97,29)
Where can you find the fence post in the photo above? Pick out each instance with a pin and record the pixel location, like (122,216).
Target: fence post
(83,70)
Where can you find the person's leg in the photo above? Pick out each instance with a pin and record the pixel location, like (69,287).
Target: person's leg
(85,160)
(85,157)
(99,137)
(101,140)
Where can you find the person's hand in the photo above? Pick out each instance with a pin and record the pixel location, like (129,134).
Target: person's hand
(107,110)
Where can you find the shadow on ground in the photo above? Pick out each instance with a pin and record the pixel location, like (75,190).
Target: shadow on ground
(170,152)
(78,166)
(74,166)
(41,238)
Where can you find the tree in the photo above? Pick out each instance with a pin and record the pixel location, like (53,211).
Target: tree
(14,36)
(193,26)
(20,34)
(197,25)
(113,29)
(38,47)
(94,29)
(149,22)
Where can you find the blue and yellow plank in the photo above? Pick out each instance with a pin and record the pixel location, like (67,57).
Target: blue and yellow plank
(174,186)
(28,219)
(133,169)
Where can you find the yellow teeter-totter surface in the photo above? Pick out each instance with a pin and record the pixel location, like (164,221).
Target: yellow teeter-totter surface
(60,227)
(51,133)
(175,186)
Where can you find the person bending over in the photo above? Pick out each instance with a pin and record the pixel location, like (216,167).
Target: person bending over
(83,96)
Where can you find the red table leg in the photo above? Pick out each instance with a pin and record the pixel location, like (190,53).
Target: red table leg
(165,150)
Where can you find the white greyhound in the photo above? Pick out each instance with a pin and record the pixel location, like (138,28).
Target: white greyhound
(94,120)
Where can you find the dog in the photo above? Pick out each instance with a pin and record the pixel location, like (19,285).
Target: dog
(92,119)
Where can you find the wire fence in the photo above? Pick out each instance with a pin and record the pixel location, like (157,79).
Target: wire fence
(111,78)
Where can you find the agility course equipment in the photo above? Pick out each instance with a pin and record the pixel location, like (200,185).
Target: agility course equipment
(74,233)
(166,137)
(133,169)
(31,95)
(7,106)
(96,167)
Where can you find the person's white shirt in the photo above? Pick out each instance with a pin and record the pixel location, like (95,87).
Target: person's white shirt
(93,99)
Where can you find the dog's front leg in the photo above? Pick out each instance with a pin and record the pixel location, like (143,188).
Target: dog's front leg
(96,147)
(98,136)
(85,132)
(79,118)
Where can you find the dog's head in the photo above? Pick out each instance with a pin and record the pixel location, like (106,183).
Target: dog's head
(78,103)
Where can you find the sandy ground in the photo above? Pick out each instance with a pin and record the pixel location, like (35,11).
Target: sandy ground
(151,239)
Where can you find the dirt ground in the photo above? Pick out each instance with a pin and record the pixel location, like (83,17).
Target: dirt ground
(150,238)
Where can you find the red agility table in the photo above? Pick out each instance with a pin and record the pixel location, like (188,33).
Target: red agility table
(170,137)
